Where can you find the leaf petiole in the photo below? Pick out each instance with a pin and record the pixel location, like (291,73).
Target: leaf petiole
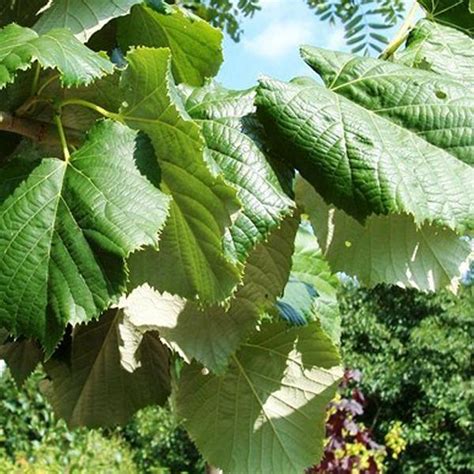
(92,106)
(62,137)
(402,34)
(34,85)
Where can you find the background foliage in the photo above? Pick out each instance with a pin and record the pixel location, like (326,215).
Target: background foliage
(414,353)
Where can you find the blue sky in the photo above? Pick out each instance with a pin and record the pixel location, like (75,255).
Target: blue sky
(270,43)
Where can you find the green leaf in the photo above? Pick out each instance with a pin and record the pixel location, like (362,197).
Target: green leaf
(387,249)
(267,412)
(442,50)
(22,358)
(296,304)
(213,102)
(195,44)
(91,388)
(312,290)
(437,108)
(212,335)
(191,261)
(65,231)
(223,116)
(58,49)
(362,162)
(455,13)
(83,18)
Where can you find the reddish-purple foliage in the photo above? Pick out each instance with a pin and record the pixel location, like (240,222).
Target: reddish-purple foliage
(349,446)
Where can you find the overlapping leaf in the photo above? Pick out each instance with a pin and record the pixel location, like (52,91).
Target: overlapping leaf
(267,412)
(311,293)
(454,13)
(361,161)
(83,18)
(440,49)
(65,231)
(191,261)
(195,44)
(22,357)
(437,108)
(57,49)
(386,249)
(225,120)
(89,387)
(212,335)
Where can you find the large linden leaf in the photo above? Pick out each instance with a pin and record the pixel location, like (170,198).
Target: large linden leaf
(266,413)
(440,49)
(436,107)
(212,335)
(191,261)
(223,117)
(386,249)
(363,162)
(57,49)
(195,44)
(455,13)
(89,387)
(65,231)
(82,17)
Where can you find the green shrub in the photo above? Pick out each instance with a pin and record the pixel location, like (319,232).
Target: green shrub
(157,440)
(33,441)
(415,353)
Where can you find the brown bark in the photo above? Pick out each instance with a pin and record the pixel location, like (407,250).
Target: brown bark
(40,132)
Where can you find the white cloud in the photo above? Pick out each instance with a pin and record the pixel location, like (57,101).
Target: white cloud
(336,40)
(280,38)
(270,3)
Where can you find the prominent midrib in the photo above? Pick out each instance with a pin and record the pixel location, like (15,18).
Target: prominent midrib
(414,136)
(262,408)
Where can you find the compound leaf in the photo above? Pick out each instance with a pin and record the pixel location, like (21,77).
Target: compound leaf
(65,231)
(267,412)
